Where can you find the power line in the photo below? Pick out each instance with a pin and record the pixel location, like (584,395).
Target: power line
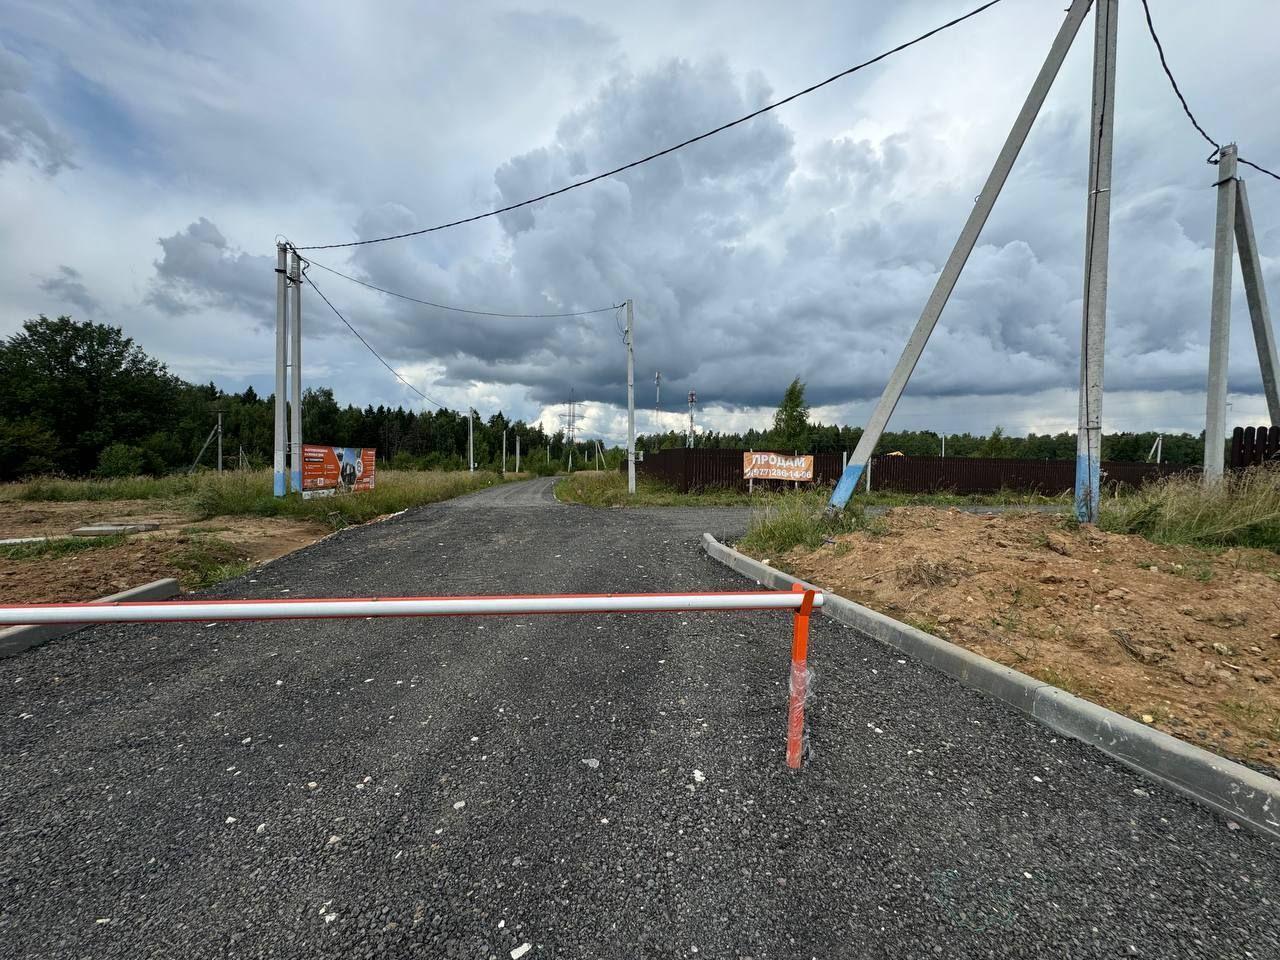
(1151,28)
(671,149)
(368,345)
(444,306)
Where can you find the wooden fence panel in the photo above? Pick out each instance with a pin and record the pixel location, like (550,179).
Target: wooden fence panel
(1254,445)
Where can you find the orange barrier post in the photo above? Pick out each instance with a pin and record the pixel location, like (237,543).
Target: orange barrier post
(799,678)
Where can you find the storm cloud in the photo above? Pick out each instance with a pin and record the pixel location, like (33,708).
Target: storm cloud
(803,243)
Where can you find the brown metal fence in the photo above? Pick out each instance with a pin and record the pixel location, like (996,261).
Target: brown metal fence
(1252,445)
(695,469)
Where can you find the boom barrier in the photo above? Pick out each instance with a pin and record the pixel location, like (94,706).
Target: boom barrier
(800,601)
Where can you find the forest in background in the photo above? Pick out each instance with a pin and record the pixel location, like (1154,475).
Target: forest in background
(81,399)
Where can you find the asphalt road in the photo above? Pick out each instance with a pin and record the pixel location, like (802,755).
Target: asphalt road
(421,788)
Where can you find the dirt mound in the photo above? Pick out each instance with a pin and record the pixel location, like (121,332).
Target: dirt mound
(1183,639)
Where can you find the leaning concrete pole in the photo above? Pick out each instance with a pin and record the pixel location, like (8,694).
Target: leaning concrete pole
(1255,291)
(955,263)
(295,375)
(1097,242)
(1215,416)
(282,346)
(631,404)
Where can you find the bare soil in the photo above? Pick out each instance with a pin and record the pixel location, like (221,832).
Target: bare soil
(1180,638)
(42,518)
(181,548)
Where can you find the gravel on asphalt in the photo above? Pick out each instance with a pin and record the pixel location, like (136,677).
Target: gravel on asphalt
(555,787)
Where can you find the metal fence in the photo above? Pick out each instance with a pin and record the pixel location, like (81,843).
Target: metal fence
(694,469)
(1253,445)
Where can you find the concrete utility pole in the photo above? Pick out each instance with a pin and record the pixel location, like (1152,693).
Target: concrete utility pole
(504,451)
(1215,416)
(631,402)
(471,449)
(295,376)
(280,484)
(960,253)
(1255,292)
(517,453)
(219,441)
(1097,237)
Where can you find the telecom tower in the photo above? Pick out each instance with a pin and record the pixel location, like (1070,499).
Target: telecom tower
(569,420)
(693,399)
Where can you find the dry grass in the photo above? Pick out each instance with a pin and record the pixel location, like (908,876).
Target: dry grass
(1240,510)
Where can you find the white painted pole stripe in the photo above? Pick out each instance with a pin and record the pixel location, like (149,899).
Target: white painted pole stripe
(296,609)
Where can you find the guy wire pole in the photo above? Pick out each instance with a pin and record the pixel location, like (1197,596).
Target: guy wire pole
(955,263)
(295,376)
(1255,292)
(1097,237)
(1215,417)
(282,342)
(631,404)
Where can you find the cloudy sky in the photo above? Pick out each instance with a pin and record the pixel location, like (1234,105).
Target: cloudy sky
(152,152)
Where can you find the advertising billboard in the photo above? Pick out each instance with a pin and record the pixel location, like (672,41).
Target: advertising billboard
(776,466)
(330,470)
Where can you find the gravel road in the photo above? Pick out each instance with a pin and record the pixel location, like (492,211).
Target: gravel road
(592,787)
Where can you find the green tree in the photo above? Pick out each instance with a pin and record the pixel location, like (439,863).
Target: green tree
(85,384)
(121,460)
(791,421)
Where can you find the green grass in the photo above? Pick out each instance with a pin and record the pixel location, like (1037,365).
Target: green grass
(128,488)
(59,547)
(1240,510)
(248,493)
(781,521)
(609,489)
(207,560)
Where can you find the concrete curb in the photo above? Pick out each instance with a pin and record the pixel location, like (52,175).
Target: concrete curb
(1232,789)
(14,640)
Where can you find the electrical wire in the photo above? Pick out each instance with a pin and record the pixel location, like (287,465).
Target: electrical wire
(1151,29)
(445,306)
(671,149)
(368,345)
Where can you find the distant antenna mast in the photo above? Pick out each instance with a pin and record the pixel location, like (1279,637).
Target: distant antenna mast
(657,398)
(693,399)
(570,420)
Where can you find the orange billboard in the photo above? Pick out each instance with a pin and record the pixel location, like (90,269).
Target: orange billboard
(330,470)
(776,466)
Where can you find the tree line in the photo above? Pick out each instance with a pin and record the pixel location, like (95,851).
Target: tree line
(793,432)
(80,398)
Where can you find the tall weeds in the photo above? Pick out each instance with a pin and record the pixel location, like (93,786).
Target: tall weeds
(241,493)
(1241,509)
(782,521)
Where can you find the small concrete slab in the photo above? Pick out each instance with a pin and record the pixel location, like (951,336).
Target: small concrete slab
(113,529)
(14,541)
